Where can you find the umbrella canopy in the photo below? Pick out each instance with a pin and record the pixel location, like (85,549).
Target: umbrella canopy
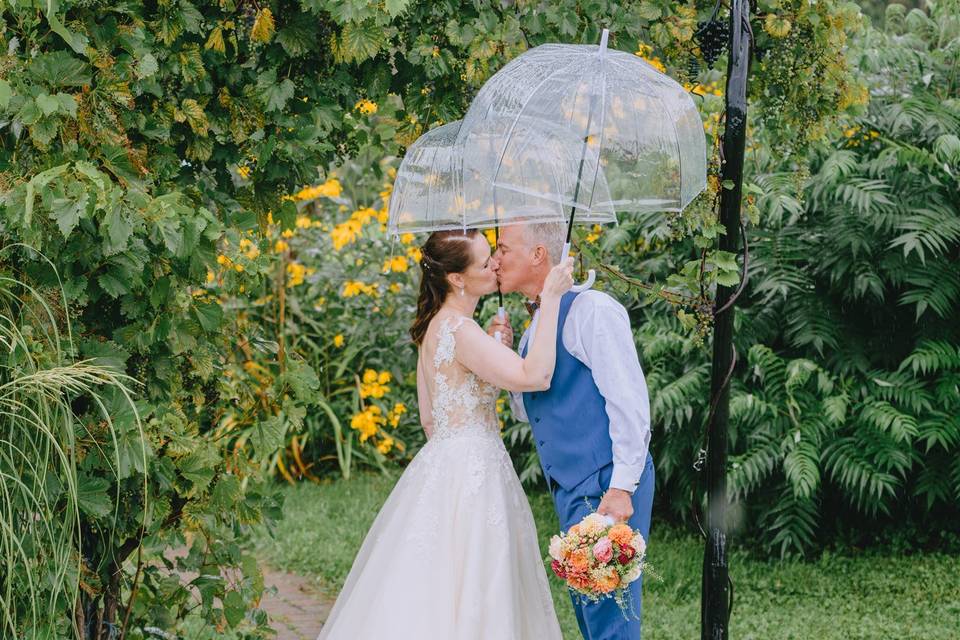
(637,131)
(444,184)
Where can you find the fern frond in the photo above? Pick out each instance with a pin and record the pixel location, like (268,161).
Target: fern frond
(792,522)
(940,430)
(885,417)
(866,485)
(932,356)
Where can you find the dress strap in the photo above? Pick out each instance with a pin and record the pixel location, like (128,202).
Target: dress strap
(445,340)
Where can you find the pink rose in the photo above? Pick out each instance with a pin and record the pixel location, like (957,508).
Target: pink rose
(603,550)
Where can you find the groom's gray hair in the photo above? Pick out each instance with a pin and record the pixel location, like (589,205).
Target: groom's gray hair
(552,235)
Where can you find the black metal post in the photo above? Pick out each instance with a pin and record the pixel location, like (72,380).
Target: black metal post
(715,599)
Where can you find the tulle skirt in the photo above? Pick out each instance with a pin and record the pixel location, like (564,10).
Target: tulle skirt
(452,555)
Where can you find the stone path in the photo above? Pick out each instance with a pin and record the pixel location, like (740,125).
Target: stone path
(298,608)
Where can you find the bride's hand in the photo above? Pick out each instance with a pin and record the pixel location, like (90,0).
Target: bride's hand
(559,280)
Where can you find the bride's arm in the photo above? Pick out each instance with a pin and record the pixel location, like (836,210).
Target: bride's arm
(502,367)
(423,402)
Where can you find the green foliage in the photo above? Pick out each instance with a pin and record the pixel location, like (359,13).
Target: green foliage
(843,408)
(57,413)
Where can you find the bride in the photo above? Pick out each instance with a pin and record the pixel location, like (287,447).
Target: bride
(453,553)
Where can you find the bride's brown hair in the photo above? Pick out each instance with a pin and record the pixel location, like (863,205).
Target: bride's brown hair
(444,252)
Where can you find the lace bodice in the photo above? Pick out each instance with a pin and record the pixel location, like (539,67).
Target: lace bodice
(462,403)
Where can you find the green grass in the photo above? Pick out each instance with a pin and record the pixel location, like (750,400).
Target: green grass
(835,597)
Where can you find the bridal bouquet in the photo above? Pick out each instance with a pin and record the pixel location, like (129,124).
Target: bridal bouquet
(598,559)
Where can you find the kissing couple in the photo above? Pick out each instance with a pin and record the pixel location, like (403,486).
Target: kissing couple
(453,553)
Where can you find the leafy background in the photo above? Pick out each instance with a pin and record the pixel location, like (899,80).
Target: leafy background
(197,190)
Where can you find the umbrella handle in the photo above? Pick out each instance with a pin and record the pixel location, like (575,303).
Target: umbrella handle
(591,275)
(498,335)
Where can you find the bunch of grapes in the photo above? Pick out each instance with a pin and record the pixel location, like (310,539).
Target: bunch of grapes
(712,37)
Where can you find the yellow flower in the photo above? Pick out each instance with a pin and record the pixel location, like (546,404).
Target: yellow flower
(287,233)
(643,50)
(352,288)
(394,416)
(656,64)
(373,390)
(385,445)
(210,276)
(491,237)
(395,287)
(364,214)
(396,264)
(374,384)
(338,340)
(367,422)
(329,189)
(366,107)
(280,246)
(244,171)
(238,268)
(594,234)
(414,254)
(296,273)
(249,249)
(406,238)
(345,233)
(222,259)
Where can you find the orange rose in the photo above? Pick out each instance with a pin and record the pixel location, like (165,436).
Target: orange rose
(608,582)
(579,560)
(579,581)
(621,534)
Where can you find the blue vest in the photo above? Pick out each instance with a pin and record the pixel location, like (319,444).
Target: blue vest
(571,429)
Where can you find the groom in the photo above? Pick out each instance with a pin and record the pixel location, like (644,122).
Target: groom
(592,427)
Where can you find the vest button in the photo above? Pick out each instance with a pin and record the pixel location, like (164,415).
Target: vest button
(537,419)
(541,443)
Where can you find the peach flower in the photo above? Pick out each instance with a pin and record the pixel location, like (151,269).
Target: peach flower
(579,560)
(608,581)
(621,534)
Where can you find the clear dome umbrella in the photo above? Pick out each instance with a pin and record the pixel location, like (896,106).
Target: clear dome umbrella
(442,184)
(636,133)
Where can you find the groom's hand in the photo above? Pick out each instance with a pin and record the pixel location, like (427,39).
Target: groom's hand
(503,326)
(617,504)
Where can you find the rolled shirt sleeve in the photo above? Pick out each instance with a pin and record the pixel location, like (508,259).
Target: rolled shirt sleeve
(597,332)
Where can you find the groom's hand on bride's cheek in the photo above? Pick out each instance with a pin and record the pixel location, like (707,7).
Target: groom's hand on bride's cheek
(617,504)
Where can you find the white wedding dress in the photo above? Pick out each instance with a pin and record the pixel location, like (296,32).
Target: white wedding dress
(453,553)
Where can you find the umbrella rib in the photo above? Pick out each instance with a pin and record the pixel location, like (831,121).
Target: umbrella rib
(603,121)
(523,107)
(676,139)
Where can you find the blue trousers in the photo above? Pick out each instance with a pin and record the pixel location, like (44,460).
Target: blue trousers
(604,620)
